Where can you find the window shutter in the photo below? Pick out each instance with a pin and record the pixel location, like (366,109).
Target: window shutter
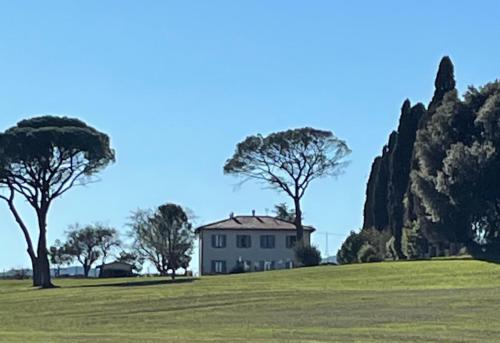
(272,242)
(213,265)
(224,266)
(249,241)
(224,241)
(213,241)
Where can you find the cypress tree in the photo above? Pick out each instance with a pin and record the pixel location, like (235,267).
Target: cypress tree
(376,209)
(399,168)
(445,81)
(368,213)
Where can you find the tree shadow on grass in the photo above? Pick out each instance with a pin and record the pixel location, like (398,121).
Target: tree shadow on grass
(140,283)
(489,259)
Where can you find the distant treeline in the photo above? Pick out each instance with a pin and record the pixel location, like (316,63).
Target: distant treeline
(434,190)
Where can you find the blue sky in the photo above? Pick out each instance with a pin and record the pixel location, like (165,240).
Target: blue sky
(177,84)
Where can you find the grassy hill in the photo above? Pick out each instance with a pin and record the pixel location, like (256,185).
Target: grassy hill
(438,301)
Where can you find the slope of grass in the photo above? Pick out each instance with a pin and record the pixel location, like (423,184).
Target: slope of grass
(439,301)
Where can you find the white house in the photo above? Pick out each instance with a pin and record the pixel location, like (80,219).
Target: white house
(255,243)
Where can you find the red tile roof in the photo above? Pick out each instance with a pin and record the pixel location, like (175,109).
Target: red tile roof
(252,223)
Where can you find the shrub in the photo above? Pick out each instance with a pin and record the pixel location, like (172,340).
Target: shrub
(413,244)
(307,255)
(369,253)
(348,252)
(369,245)
(238,269)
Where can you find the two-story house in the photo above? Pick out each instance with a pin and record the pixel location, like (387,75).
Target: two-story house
(254,243)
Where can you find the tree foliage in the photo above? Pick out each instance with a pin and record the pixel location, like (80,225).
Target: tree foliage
(41,159)
(132,258)
(307,255)
(59,256)
(435,183)
(289,161)
(281,211)
(368,245)
(88,244)
(164,237)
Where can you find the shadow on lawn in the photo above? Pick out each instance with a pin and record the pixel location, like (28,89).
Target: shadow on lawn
(139,283)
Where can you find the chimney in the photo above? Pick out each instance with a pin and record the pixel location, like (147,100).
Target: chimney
(231,215)
(253,213)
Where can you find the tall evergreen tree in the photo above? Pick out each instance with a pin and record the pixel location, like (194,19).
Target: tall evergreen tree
(415,210)
(377,188)
(369,213)
(445,82)
(399,168)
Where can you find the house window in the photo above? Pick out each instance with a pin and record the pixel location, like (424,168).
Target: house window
(243,241)
(267,242)
(218,267)
(218,241)
(291,241)
(269,265)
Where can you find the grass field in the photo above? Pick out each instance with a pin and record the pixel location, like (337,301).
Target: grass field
(439,301)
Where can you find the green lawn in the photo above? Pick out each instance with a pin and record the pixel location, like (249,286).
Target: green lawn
(439,301)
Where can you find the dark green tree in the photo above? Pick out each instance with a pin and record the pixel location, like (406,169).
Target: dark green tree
(348,252)
(369,208)
(41,159)
(307,255)
(445,82)
(282,212)
(468,192)
(289,161)
(376,209)
(163,237)
(400,163)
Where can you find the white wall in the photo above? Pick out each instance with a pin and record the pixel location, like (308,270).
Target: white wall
(231,253)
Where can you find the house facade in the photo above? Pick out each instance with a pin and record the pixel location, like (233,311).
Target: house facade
(251,243)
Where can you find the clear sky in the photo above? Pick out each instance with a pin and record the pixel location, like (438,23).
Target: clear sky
(177,84)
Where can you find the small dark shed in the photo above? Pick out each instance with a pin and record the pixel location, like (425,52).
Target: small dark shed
(115,269)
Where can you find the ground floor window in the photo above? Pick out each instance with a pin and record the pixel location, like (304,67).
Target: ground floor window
(218,267)
(267,265)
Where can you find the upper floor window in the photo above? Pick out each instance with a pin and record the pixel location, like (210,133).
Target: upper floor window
(218,241)
(267,242)
(243,241)
(291,241)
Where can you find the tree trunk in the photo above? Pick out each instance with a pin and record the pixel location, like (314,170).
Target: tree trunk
(44,269)
(37,280)
(298,221)
(86,270)
(27,237)
(173,274)
(43,265)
